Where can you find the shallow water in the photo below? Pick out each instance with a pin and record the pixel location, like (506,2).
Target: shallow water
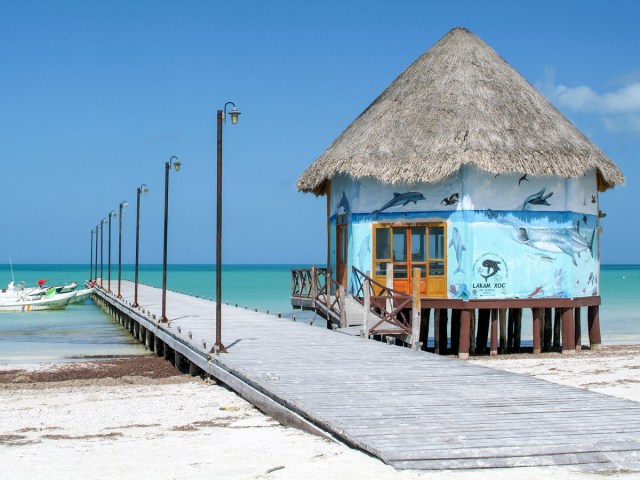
(83,331)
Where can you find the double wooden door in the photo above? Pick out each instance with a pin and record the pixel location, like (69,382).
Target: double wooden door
(407,247)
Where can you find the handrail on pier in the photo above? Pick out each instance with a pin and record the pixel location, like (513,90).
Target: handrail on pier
(388,305)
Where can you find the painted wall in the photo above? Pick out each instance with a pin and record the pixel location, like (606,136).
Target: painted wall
(509,236)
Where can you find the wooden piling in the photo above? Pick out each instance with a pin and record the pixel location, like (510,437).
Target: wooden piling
(577,329)
(593,320)
(158,347)
(510,329)
(557,327)
(444,337)
(503,330)
(548,323)
(568,334)
(465,334)
(415,309)
(342,297)
(472,333)
(455,331)
(436,331)
(537,329)
(424,327)
(483,330)
(517,330)
(367,306)
(494,332)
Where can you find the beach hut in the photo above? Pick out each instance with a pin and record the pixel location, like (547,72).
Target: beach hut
(463,174)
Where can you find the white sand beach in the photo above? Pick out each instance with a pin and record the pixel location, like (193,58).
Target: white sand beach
(136,418)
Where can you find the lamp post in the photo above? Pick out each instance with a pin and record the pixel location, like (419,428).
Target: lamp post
(167,168)
(112,214)
(123,204)
(91,258)
(96,262)
(102,222)
(141,189)
(218,347)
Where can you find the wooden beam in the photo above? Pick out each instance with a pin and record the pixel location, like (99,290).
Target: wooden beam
(568,334)
(577,329)
(517,330)
(455,331)
(424,327)
(537,330)
(465,330)
(503,330)
(494,331)
(444,337)
(483,330)
(593,319)
(415,309)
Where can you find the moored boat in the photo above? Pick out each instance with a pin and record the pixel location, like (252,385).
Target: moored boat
(44,302)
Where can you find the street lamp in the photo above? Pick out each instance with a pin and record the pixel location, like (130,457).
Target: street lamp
(218,347)
(102,222)
(91,257)
(112,214)
(167,168)
(141,189)
(123,204)
(96,262)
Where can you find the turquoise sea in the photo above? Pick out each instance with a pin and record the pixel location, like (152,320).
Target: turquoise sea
(83,331)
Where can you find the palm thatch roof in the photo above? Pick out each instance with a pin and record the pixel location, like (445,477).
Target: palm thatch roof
(459,103)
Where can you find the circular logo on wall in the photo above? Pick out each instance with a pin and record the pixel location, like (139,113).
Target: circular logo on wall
(490,276)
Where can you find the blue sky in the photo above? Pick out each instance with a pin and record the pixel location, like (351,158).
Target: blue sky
(96,96)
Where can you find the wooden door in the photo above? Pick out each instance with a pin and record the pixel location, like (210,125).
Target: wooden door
(408,247)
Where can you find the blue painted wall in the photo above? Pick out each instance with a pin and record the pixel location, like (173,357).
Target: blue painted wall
(508,236)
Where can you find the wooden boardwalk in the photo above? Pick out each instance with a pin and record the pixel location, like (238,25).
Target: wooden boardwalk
(413,410)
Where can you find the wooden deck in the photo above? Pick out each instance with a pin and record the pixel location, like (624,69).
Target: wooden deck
(412,409)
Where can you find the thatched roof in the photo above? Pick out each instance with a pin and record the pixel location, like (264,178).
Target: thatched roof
(459,104)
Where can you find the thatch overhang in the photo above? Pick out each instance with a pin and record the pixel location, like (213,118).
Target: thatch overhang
(459,103)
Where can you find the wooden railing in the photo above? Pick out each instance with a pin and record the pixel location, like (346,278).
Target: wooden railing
(328,294)
(301,283)
(389,306)
(314,287)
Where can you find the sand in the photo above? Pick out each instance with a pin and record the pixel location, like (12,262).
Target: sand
(136,418)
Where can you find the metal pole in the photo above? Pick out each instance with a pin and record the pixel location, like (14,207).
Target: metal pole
(135,299)
(109,257)
(218,346)
(91,259)
(101,251)
(167,167)
(120,251)
(96,262)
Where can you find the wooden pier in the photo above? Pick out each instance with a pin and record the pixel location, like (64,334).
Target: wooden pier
(412,409)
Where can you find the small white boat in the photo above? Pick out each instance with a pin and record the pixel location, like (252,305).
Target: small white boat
(28,304)
(81,295)
(69,287)
(16,298)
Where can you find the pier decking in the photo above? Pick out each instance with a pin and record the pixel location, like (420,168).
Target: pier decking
(412,409)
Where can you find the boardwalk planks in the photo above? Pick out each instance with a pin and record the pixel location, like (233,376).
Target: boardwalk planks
(419,410)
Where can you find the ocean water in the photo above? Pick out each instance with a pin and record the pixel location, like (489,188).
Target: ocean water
(82,331)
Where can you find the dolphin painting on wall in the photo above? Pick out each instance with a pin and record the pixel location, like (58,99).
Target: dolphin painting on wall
(458,247)
(538,198)
(401,199)
(344,204)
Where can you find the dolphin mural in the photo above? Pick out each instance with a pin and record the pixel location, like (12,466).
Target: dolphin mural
(538,198)
(364,253)
(344,204)
(458,247)
(401,199)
